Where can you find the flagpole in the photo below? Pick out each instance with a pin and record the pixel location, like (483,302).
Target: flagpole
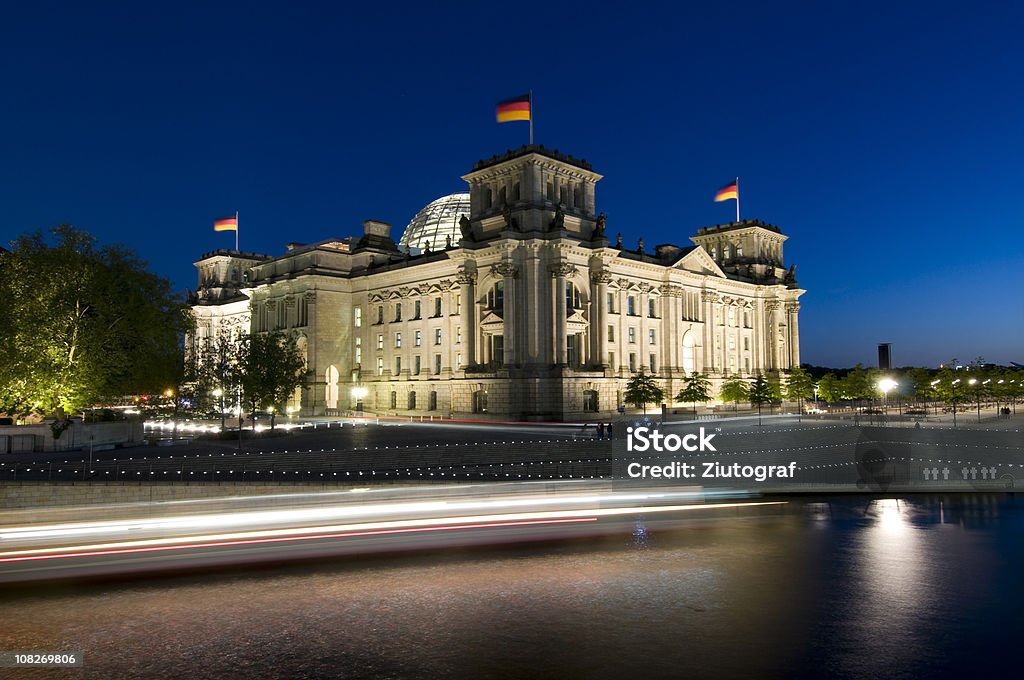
(737,199)
(236,228)
(531,117)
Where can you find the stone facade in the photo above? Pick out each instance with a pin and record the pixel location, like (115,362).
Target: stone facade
(531,313)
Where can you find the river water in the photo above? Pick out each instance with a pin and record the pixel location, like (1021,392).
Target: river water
(856,587)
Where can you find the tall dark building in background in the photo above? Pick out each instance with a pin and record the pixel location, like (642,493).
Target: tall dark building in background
(885,355)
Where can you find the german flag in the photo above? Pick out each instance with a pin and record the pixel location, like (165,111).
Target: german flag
(516,108)
(731,190)
(226,223)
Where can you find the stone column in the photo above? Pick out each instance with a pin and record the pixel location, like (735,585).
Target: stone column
(600,281)
(793,308)
(771,335)
(533,312)
(709,298)
(509,272)
(559,272)
(467,288)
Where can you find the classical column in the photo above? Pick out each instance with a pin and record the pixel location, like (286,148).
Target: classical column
(467,288)
(559,272)
(600,333)
(709,298)
(771,336)
(509,272)
(792,309)
(533,311)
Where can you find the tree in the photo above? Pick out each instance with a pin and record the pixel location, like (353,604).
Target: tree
(697,388)
(919,384)
(642,389)
(799,386)
(856,385)
(830,388)
(775,389)
(761,392)
(270,368)
(80,323)
(735,389)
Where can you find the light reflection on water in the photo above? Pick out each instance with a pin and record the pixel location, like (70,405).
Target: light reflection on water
(851,588)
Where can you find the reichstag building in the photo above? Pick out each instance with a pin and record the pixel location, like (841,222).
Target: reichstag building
(510,301)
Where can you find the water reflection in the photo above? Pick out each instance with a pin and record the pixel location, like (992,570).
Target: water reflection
(854,587)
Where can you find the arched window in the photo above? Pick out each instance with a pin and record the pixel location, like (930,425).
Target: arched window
(590,400)
(689,361)
(331,388)
(394,400)
(572,296)
(412,401)
(480,401)
(432,401)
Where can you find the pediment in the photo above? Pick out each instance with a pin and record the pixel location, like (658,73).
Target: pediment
(699,261)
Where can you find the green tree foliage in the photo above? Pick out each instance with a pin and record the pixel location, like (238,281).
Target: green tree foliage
(761,392)
(856,385)
(918,384)
(697,388)
(642,389)
(270,368)
(799,386)
(735,389)
(80,324)
(830,388)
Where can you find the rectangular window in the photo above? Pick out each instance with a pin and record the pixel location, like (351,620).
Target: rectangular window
(398,311)
(418,340)
(611,303)
(458,334)
(611,359)
(746,344)
(358,317)
(437,364)
(398,365)
(570,349)
(458,303)
(611,333)
(380,342)
(416,365)
(458,361)
(398,339)
(654,364)
(437,306)
(437,336)
(650,308)
(632,362)
(650,335)
(380,365)
(359,351)
(631,335)
(416,310)
(630,305)
(380,313)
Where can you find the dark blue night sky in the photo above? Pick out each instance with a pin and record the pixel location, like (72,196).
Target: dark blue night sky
(884,139)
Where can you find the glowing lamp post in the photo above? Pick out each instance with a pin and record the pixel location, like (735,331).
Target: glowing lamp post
(219,393)
(954,384)
(886,385)
(358,394)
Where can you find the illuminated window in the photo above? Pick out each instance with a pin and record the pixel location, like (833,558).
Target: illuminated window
(380,342)
(380,365)
(358,317)
(398,339)
(418,338)
(650,335)
(437,336)
(631,335)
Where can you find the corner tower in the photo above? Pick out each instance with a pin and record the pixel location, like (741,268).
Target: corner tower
(531,190)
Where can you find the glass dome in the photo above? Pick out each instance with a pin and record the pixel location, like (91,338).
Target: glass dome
(437,221)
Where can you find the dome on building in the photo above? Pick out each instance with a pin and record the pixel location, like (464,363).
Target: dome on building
(435,223)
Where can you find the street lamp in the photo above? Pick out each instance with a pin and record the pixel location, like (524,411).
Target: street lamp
(886,384)
(815,395)
(219,393)
(972,382)
(358,394)
(954,384)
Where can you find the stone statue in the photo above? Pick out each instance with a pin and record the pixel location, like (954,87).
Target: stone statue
(447,241)
(791,274)
(640,246)
(559,220)
(618,241)
(510,222)
(599,225)
(466,227)
(426,247)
